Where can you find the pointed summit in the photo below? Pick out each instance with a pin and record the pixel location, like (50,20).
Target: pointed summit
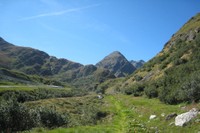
(117,64)
(3,42)
(116,53)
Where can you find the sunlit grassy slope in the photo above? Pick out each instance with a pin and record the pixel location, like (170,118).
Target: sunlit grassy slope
(127,114)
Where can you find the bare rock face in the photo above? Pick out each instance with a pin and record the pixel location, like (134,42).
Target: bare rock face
(183,119)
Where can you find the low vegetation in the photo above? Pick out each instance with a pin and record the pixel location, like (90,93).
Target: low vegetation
(128,114)
(18,117)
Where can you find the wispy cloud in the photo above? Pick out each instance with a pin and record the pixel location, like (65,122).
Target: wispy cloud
(58,13)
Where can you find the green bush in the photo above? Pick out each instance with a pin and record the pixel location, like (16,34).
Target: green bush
(51,118)
(90,113)
(191,88)
(151,92)
(138,78)
(169,96)
(136,90)
(17,117)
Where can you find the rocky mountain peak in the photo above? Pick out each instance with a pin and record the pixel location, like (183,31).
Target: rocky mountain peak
(1,38)
(2,41)
(117,64)
(116,53)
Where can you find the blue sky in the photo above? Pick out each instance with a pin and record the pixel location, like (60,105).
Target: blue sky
(85,31)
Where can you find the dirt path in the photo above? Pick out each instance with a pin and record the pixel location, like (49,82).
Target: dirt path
(121,115)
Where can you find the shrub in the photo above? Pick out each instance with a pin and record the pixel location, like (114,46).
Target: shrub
(16,117)
(51,118)
(138,78)
(191,88)
(136,90)
(151,92)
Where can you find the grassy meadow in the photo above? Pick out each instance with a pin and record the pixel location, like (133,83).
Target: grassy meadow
(123,114)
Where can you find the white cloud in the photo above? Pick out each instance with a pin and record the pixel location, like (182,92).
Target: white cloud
(58,13)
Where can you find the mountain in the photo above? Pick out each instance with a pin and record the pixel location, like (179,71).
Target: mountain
(173,75)
(32,61)
(117,64)
(137,64)
(17,60)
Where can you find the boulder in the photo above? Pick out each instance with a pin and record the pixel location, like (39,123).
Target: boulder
(191,36)
(183,119)
(197,30)
(152,117)
(99,96)
(163,114)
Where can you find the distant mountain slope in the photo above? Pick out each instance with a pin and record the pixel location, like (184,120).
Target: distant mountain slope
(117,64)
(174,73)
(35,62)
(137,64)
(32,61)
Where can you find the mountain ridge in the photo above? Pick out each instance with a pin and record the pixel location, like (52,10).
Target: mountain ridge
(36,62)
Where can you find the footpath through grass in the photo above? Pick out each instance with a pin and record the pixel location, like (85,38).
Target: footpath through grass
(128,114)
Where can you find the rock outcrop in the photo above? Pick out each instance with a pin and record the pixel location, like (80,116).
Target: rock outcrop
(183,119)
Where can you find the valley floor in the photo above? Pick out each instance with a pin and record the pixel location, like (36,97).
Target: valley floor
(128,114)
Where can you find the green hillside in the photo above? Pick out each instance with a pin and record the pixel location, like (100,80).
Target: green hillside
(47,69)
(173,74)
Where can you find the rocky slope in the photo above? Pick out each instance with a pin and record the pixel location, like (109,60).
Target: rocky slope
(117,64)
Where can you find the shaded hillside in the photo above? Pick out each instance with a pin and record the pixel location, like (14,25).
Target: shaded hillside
(117,64)
(86,77)
(29,61)
(11,77)
(173,74)
(32,61)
